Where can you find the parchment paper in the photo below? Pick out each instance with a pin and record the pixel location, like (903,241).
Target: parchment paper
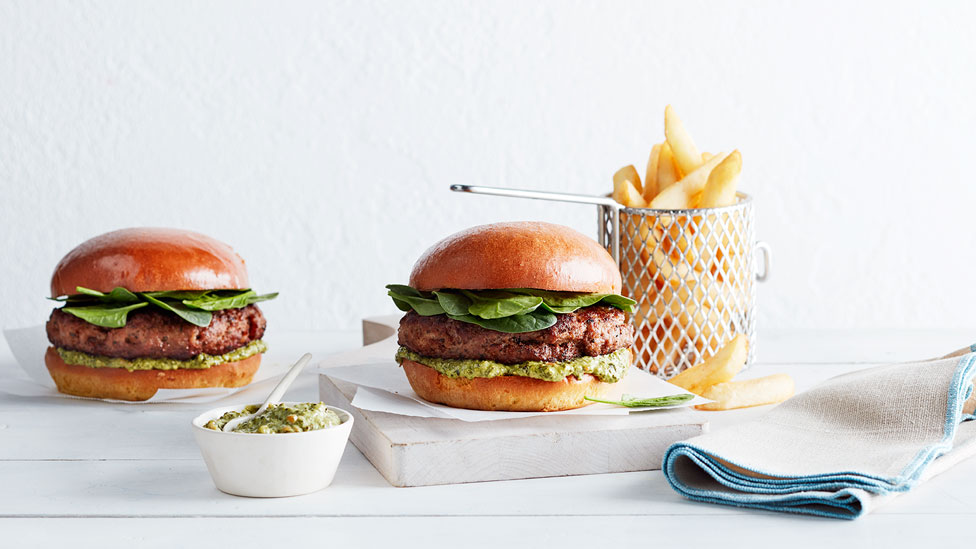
(382,387)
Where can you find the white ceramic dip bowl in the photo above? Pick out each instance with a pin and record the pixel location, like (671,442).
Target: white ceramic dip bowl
(271,465)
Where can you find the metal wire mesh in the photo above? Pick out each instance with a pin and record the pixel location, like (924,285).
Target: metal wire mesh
(693,274)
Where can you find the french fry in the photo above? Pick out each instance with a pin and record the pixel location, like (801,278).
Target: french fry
(686,155)
(666,266)
(680,196)
(751,392)
(667,174)
(720,368)
(627,173)
(679,233)
(650,177)
(627,194)
(719,190)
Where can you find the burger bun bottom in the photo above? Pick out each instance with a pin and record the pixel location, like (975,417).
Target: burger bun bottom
(121,384)
(508,393)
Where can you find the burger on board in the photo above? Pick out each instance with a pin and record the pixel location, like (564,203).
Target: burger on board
(152,308)
(514,316)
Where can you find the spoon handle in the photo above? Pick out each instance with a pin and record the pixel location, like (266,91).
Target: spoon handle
(275,395)
(285,383)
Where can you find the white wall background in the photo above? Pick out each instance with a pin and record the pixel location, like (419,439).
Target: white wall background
(319,138)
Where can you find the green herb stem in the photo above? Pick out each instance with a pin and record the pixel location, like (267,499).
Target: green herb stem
(651,402)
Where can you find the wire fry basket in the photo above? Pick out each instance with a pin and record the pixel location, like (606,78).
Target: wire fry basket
(693,274)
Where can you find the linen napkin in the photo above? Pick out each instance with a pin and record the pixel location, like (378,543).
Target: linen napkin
(842,448)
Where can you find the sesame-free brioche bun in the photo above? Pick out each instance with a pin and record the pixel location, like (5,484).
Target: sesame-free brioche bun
(509,393)
(150,260)
(121,384)
(535,255)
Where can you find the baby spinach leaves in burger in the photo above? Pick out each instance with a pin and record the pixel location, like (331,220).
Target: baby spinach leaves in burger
(511,311)
(110,310)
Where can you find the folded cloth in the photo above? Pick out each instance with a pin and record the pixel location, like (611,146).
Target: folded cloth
(842,448)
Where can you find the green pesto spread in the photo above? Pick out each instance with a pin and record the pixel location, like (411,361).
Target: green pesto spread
(199,362)
(280,418)
(610,368)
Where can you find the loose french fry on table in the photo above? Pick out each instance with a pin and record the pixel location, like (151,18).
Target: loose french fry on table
(686,155)
(751,392)
(650,175)
(680,195)
(720,368)
(720,187)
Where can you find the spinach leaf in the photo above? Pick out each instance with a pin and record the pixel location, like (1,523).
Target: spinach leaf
(401,304)
(85,291)
(625,304)
(452,303)
(492,305)
(218,300)
(180,294)
(566,302)
(263,297)
(412,299)
(215,303)
(74,299)
(403,289)
(117,295)
(106,315)
(193,316)
(518,324)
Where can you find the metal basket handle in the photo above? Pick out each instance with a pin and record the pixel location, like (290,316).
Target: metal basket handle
(604,201)
(767,261)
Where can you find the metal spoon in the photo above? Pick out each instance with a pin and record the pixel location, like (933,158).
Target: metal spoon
(276,393)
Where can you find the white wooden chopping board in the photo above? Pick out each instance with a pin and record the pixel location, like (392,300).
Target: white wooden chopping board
(413,451)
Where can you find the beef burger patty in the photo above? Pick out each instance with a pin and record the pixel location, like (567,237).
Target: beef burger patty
(151,333)
(591,331)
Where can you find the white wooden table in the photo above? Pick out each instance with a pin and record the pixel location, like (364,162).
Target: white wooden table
(89,474)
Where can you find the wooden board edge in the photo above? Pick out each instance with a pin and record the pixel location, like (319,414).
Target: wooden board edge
(365,436)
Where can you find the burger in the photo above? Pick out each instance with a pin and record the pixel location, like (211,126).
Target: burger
(514,316)
(151,308)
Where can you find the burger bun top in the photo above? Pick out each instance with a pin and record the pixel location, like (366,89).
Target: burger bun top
(536,255)
(149,259)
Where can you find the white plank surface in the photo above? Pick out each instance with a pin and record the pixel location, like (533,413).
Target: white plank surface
(762,531)
(168,488)
(65,463)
